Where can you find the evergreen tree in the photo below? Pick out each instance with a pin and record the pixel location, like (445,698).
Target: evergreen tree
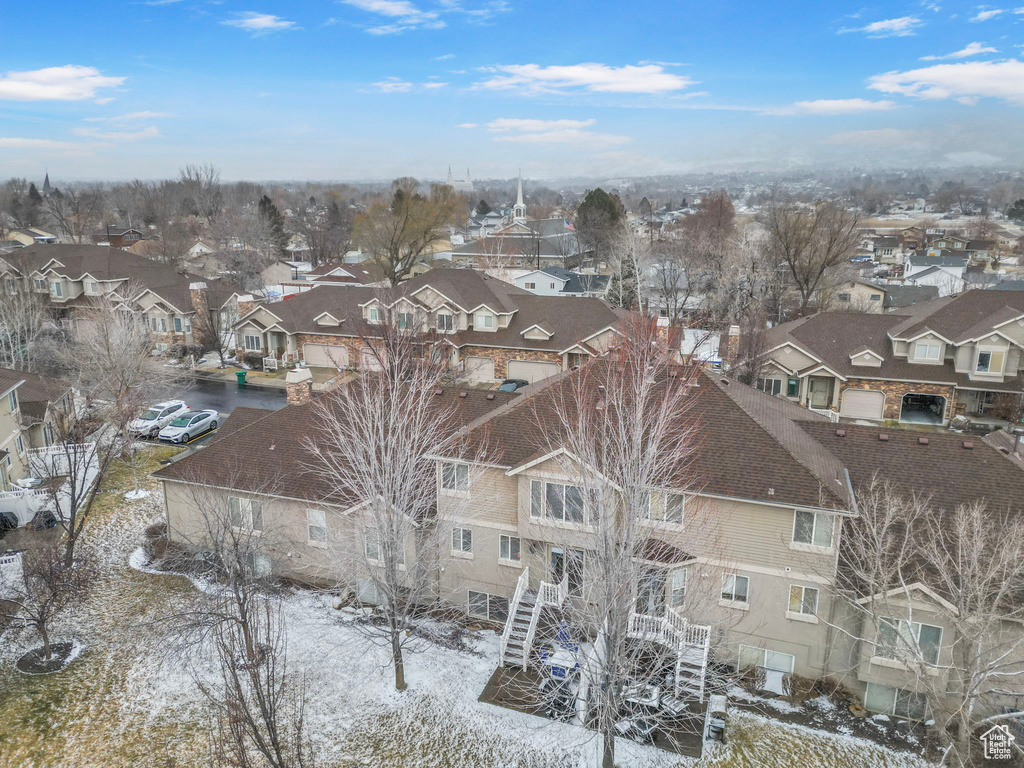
(482,208)
(272,217)
(1016,211)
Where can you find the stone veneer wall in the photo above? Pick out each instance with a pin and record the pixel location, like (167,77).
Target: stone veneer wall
(895,390)
(502,356)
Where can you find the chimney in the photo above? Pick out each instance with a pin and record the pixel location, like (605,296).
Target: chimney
(197,293)
(246,304)
(1017,433)
(299,386)
(729,346)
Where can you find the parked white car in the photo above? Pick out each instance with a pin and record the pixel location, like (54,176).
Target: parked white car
(157,417)
(190,425)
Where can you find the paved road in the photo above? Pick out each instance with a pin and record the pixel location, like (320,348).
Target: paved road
(225,397)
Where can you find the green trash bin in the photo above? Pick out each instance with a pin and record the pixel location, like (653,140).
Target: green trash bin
(240,375)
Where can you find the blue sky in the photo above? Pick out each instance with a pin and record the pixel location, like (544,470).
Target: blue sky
(371,89)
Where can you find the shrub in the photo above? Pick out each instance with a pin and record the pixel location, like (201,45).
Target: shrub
(253,359)
(834,691)
(176,351)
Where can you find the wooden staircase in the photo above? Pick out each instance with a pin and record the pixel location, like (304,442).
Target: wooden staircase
(523,616)
(690,643)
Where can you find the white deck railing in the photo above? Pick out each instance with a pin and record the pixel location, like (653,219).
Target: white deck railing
(548,594)
(521,587)
(12,572)
(832,415)
(675,631)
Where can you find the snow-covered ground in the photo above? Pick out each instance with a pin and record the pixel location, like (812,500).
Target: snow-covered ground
(125,703)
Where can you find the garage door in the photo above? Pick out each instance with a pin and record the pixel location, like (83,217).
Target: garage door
(368,360)
(862,404)
(479,369)
(325,355)
(531,371)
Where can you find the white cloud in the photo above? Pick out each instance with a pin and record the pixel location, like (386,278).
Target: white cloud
(533,78)
(972,49)
(985,15)
(832,107)
(445,57)
(67,83)
(406,16)
(95,133)
(467,125)
(877,137)
(128,118)
(393,85)
(965,81)
(434,85)
(901,27)
(259,24)
(530,131)
(13,143)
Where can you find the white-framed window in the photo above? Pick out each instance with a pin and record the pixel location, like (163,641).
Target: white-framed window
(445,322)
(927,350)
(509,548)
(765,658)
(245,514)
(371,544)
(316,526)
(803,601)
(812,528)
(899,702)
(483,320)
(12,400)
(677,587)
(485,606)
(253,343)
(20,443)
(902,640)
(557,501)
(844,297)
(373,314)
(990,361)
(91,287)
(40,284)
(163,324)
(735,588)
(531,286)
(666,507)
(454,477)
(177,325)
(462,541)
(771,386)
(405,320)
(56,289)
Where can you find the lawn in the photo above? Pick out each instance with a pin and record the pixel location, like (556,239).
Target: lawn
(122,704)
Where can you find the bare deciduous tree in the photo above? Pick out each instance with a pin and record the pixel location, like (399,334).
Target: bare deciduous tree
(24,323)
(76,211)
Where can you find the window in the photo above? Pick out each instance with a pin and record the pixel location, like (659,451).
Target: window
(40,284)
(490,607)
(12,400)
(793,388)
(766,659)
(551,286)
(163,325)
(803,600)
(246,513)
(316,526)
(372,546)
(374,315)
(252,343)
(21,445)
(177,325)
(667,507)
(927,351)
(484,320)
(900,639)
(509,548)
(455,477)
(91,287)
(563,503)
(531,286)
(877,296)
(677,586)
(895,701)
(56,289)
(812,528)
(48,435)
(735,588)
(771,386)
(844,297)
(445,322)
(462,540)
(990,362)
(405,320)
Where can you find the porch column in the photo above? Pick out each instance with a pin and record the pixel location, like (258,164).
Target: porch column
(803,389)
(836,384)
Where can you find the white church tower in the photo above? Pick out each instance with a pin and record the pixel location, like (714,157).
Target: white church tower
(519,211)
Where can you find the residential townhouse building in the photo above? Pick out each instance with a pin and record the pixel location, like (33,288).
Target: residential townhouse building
(495,329)
(558,281)
(73,277)
(29,405)
(746,547)
(928,362)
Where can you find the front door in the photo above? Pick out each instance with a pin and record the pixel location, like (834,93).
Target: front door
(818,392)
(650,597)
(569,562)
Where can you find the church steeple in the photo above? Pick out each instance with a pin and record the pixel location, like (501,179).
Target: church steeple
(519,211)
(450,181)
(46,185)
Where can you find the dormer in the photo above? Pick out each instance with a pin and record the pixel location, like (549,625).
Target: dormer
(928,349)
(537,332)
(371,312)
(326,319)
(866,357)
(485,320)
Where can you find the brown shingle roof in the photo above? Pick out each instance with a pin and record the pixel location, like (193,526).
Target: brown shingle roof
(36,391)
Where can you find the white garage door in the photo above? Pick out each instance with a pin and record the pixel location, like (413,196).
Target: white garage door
(531,371)
(325,355)
(479,369)
(862,404)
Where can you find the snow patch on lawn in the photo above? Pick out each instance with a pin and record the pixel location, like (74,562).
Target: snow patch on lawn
(137,495)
